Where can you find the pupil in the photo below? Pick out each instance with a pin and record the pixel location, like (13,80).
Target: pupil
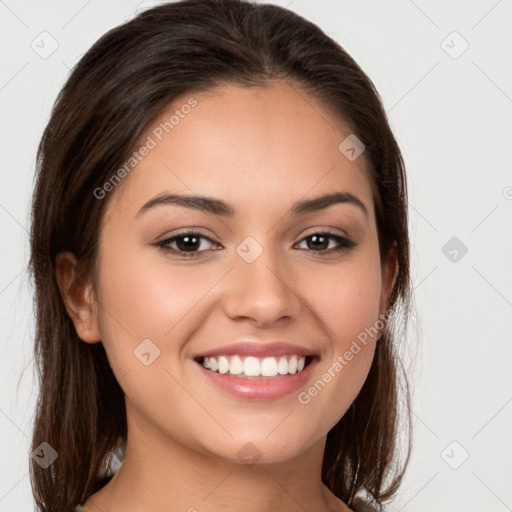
(315,238)
(188,242)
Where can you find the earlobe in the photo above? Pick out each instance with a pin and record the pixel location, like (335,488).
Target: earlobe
(78,298)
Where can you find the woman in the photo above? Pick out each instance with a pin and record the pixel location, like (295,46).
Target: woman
(220,253)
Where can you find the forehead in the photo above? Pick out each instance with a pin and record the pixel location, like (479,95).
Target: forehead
(251,146)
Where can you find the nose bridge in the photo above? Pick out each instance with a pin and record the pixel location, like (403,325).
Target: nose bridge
(260,286)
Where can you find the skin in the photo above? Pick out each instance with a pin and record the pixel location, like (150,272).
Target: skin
(260,150)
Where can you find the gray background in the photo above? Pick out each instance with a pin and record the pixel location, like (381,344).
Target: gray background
(450,108)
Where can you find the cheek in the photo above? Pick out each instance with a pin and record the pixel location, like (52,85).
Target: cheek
(150,300)
(347,297)
(146,311)
(148,306)
(346,301)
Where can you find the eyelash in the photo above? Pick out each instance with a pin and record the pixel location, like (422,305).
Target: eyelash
(343,242)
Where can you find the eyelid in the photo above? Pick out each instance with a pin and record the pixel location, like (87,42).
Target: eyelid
(186,231)
(328,230)
(344,242)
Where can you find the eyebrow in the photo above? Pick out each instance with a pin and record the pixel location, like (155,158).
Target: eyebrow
(218,207)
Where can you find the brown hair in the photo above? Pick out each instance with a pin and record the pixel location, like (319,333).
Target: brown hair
(123,82)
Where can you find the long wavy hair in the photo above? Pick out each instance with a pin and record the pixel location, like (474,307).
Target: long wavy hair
(121,84)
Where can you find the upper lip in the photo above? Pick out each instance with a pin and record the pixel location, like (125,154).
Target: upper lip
(258,349)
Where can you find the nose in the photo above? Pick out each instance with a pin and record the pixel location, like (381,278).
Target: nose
(261,291)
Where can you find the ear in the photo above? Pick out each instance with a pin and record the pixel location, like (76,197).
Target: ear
(389,272)
(78,298)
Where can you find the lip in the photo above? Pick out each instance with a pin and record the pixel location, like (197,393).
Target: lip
(259,388)
(258,349)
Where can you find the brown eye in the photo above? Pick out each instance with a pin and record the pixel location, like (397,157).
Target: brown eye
(186,244)
(319,242)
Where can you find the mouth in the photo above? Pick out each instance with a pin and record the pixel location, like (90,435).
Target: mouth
(252,367)
(257,371)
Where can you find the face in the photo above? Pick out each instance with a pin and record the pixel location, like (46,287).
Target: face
(262,265)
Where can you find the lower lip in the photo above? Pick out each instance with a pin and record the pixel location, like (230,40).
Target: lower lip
(259,388)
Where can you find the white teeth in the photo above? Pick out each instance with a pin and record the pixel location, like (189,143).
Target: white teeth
(292,365)
(282,367)
(223,364)
(269,367)
(236,366)
(213,364)
(253,367)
